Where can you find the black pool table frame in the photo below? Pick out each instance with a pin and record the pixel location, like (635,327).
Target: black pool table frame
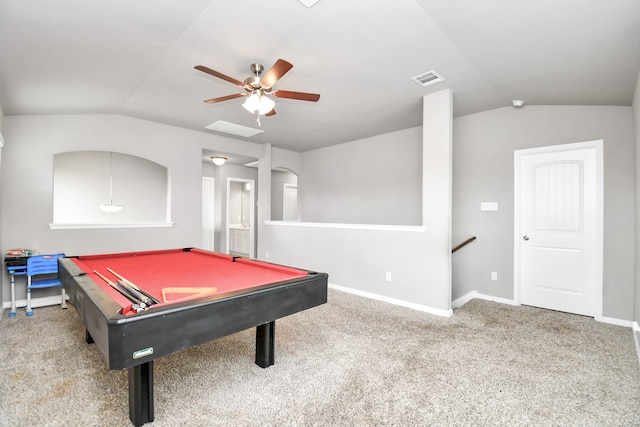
(134,341)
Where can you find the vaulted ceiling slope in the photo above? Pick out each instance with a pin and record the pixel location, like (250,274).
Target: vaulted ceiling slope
(137,58)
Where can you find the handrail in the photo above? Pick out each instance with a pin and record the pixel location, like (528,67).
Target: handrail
(463,244)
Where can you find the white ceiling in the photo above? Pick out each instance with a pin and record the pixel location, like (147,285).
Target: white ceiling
(136,58)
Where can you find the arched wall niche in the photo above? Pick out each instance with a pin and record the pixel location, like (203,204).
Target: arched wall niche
(284,195)
(85,180)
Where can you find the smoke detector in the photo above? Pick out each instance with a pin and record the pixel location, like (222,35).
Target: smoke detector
(518,103)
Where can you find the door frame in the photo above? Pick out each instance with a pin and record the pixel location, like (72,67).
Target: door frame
(597,146)
(252,204)
(208,207)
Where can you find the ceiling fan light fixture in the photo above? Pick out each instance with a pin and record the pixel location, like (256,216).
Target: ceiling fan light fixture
(252,103)
(218,160)
(258,103)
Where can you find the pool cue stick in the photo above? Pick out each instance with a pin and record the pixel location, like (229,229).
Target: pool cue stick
(136,294)
(134,286)
(136,304)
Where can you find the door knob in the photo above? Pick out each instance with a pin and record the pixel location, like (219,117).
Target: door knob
(525,237)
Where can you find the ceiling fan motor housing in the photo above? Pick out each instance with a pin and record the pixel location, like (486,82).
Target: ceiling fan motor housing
(257,69)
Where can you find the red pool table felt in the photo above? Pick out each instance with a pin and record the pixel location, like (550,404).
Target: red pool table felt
(156,270)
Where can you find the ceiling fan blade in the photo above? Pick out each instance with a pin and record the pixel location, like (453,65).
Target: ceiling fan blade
(279,69)
(314,97)
(219,75)
(271,113)
(224,98)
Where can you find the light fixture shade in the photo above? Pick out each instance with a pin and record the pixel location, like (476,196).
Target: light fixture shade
(218,160)
(111,208)
(266,105)
(262,104)
(252,103)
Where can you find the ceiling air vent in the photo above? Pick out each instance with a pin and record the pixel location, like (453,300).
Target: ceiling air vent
(428,78)
(233,129)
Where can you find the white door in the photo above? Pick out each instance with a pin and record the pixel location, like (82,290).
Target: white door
(558,225)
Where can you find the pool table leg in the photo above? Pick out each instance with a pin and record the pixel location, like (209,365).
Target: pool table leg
(141,393)
(265,344)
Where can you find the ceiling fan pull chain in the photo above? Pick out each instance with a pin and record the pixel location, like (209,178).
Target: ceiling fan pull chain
(258,118)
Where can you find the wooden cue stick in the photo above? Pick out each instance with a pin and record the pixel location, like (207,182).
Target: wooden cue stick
(135,293)
(122,291)
(134,286)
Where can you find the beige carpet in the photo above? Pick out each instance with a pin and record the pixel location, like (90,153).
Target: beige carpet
(351,362)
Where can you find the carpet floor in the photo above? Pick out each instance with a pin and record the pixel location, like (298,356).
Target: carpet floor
(351,362)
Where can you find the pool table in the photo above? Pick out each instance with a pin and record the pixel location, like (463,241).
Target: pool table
(200,296)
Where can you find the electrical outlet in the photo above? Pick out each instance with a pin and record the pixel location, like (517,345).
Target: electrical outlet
(494,276)
(387,276)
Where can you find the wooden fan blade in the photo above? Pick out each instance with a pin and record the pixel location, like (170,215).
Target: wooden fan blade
(225,98)
(271,113)
(219,75)
(279,69)
(314,97)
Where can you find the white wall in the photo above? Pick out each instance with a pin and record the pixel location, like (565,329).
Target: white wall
(483,172)
(358,258)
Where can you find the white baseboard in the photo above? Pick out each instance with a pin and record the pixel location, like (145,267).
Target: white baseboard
(394,301)
(635,327)
(613,321)
(35,302)
(459,302)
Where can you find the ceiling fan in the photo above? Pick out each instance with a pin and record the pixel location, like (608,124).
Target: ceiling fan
(257,88)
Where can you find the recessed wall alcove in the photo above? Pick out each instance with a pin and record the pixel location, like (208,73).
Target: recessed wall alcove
(84,180)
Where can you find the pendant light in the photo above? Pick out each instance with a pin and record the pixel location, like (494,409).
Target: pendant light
(110,208)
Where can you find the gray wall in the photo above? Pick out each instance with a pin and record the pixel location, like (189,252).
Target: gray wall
(3,295)
(221,174)
(82,181)
(483,171)
(371,181)
(278,179)
(418,257)
(636,126)
(32,141)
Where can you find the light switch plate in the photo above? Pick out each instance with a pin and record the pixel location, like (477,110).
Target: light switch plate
(488,206)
